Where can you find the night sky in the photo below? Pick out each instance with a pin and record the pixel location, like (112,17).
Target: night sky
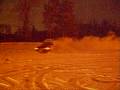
(85,11)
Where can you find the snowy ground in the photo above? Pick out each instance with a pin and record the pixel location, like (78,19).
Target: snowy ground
(22,68)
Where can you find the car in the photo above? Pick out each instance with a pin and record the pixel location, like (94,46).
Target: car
(45,47)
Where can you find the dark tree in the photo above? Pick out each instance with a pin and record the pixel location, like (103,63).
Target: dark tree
(59,18)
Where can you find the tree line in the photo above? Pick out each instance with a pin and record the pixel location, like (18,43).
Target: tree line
(59,21)
(82,30)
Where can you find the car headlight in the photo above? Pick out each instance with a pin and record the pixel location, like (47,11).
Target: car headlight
(36,48)
(47,48)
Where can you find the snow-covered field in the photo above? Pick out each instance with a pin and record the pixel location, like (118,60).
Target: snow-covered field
(78,66)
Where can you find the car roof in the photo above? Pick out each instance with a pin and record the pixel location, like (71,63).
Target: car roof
(48,40)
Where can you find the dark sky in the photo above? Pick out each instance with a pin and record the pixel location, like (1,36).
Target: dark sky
(85,11)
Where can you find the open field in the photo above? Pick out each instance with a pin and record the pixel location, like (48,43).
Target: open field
(22,68)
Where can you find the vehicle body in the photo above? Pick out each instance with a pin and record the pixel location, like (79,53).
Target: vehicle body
(45,47)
